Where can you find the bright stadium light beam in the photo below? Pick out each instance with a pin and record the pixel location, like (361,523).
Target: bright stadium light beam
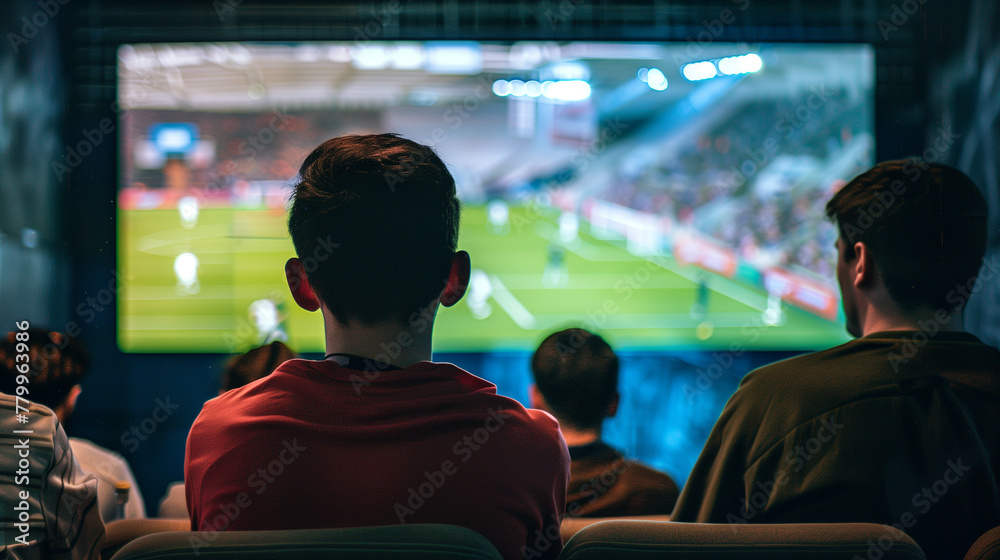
(743,64)
(407,57)
(501,88)
(697,71)
(371,58)
(533,88)
(656,80)
(567,90)
(517,88)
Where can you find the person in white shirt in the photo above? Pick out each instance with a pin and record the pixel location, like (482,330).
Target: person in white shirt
(57,366)
(48,505)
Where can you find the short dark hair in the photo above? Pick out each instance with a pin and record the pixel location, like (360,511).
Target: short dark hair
(374,218)
(925,224)
(255,364)
(576,372)
(56,363)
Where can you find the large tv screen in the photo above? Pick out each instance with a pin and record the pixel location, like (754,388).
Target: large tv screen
(669,196)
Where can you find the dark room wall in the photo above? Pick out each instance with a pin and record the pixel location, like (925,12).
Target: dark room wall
(34,264)
(964,107)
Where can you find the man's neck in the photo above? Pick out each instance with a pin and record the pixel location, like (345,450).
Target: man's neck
(922,318)
(390,342)
(576,438)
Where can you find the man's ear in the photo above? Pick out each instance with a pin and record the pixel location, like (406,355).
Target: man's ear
(458,279)
(613,406)
(863,265)
(298,284)
(65,409)
(535,398)
(72,397)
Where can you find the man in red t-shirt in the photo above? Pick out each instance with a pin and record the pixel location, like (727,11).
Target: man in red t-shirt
(377,434)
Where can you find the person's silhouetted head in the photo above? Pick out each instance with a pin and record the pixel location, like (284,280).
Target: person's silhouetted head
(255,364)
(923,226)
(56,365)
(576,374)
(374,220)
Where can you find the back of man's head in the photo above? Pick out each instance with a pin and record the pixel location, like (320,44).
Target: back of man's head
(577,374)
(374,220)
(924,223)
(56,363)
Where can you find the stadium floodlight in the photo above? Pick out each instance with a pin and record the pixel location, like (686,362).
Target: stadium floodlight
(371,58)
(697,71)
(560,90)
(566,90)
(656,80)
(743,64)
(444,57)
(407,57)
(533,88)
(569,71)
(502,88)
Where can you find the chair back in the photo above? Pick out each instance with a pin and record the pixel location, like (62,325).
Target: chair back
(648,540)
(986,547)
(123,531)
(572,525)
(392,542)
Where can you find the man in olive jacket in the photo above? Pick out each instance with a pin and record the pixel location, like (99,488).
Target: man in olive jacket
(898,426)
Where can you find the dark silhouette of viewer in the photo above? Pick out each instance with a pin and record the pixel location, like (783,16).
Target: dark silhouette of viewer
(898,426)
(576,379)
(376,433)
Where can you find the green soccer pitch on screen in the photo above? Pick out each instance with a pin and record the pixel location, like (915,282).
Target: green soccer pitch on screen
(669,197)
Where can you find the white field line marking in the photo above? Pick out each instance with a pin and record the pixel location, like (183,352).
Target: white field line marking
(511,305)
